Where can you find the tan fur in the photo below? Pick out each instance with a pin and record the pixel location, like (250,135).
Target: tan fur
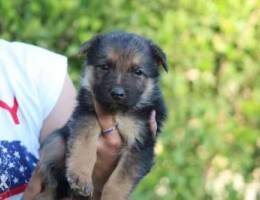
(52,151)
(87,80)
(147,93)
(112,55)
(120,183)
(136,60)
(82,157)
(124,60)
(129,127)
(47,194)
(57,148)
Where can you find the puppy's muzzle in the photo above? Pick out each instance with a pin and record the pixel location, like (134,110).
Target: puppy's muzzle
(118,93)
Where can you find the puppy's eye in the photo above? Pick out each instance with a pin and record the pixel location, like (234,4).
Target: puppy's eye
(138,72)
(103,67)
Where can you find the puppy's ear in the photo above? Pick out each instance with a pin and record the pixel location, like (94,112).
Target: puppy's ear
(84,48)
(159,56)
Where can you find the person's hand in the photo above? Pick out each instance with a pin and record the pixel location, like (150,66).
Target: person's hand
(109,146)
(34,186)
(108,150)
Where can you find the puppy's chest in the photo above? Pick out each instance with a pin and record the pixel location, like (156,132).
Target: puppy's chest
(131,128)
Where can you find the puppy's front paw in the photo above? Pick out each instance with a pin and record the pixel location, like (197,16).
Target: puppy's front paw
(81,184)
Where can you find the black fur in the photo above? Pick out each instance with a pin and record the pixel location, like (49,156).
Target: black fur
(97,50)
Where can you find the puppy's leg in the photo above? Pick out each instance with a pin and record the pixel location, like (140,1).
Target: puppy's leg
(47,194)
(134,164)
(82,156)
(52,160)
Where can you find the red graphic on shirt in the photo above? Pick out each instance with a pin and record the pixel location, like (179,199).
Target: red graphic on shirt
(12,110)
(9,193)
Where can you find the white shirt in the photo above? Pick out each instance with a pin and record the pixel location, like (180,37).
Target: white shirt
(31,80)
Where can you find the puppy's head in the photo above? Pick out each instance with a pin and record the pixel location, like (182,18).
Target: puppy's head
(121,69)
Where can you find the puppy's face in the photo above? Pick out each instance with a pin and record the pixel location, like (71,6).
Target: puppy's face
(122,69)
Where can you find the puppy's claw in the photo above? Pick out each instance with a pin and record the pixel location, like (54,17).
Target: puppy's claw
(79,185)
(86,191)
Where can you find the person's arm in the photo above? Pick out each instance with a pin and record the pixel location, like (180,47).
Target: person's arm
(62,110)
(56,119)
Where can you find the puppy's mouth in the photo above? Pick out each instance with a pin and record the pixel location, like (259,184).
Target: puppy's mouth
(113,105)
(119,107)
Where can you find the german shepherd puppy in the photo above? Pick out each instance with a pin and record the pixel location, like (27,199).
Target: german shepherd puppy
(121,74)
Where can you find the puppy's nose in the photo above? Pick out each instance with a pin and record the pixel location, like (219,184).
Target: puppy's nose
(118,93)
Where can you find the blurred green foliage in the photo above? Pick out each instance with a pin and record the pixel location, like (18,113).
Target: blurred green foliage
(210,145)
